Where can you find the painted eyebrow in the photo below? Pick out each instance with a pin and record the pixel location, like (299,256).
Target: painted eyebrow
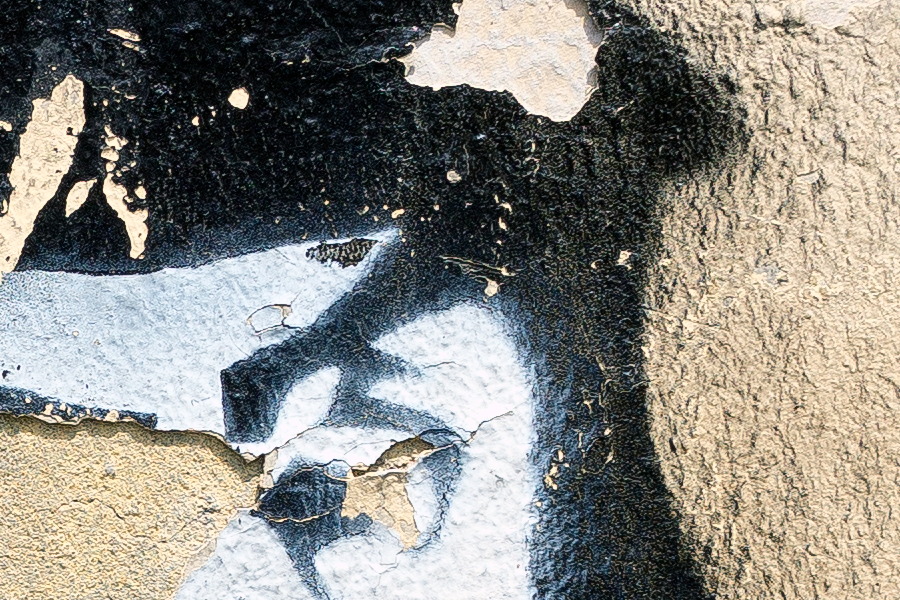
(353,406)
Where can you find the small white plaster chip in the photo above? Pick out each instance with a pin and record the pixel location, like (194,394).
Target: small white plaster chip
(125,34)
(239,98)
(5,126)
(78,196)
(541,51)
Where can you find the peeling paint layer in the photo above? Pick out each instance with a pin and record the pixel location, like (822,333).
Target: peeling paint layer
(541,51)
(78,196)
(45,155)
(135,220)
(380,489)
(110,510)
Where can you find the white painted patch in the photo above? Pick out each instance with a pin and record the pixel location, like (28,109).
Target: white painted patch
(305,406)
(464,364)
(157,343)
(249,563)
(468,372)
(421,493)
(322,445)
(239,98)
(541,51)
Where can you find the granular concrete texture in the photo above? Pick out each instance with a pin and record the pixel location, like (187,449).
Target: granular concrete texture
(775,316)
(110,510)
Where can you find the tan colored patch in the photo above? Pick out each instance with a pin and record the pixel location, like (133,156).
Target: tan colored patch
(135,220)
(379,491)
(125,34)
(45,155)
(774,341)
(239,98)
(110,510)
(541,51)
(78,195)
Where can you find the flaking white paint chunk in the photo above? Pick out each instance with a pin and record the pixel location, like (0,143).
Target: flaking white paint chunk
(541,51)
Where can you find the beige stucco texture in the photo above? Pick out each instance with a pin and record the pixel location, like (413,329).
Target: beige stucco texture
(774,346)
(110,510)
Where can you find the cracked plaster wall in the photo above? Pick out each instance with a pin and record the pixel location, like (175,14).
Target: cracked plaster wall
(110,510)
(773,347)
(772,350)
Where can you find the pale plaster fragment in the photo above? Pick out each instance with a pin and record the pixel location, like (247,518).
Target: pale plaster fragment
(239,98)
(379,490)
(125,34)
(45,155)
(541,51)
(78,196)
(135,220)
(834,13)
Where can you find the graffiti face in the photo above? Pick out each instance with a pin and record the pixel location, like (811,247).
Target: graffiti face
(423,306)
(424,468)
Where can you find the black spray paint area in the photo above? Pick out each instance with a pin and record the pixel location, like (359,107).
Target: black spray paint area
(334,144)
(22,402)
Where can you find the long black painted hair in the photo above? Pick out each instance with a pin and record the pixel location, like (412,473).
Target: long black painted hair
(334,143)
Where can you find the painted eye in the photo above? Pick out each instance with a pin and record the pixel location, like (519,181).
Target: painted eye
(404,489)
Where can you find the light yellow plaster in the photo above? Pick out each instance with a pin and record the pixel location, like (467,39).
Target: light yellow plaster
(110,511)
(45,155)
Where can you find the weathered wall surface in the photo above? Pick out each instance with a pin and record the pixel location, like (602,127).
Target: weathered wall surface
(110,510)
(773,346)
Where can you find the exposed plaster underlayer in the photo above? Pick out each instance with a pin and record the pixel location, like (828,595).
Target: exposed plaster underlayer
(540,51)
(90,510)
(46,149)
(772,346)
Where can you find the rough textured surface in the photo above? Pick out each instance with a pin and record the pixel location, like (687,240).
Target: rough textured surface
(541,51)
(102,510)
(773,347)
(45,154)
